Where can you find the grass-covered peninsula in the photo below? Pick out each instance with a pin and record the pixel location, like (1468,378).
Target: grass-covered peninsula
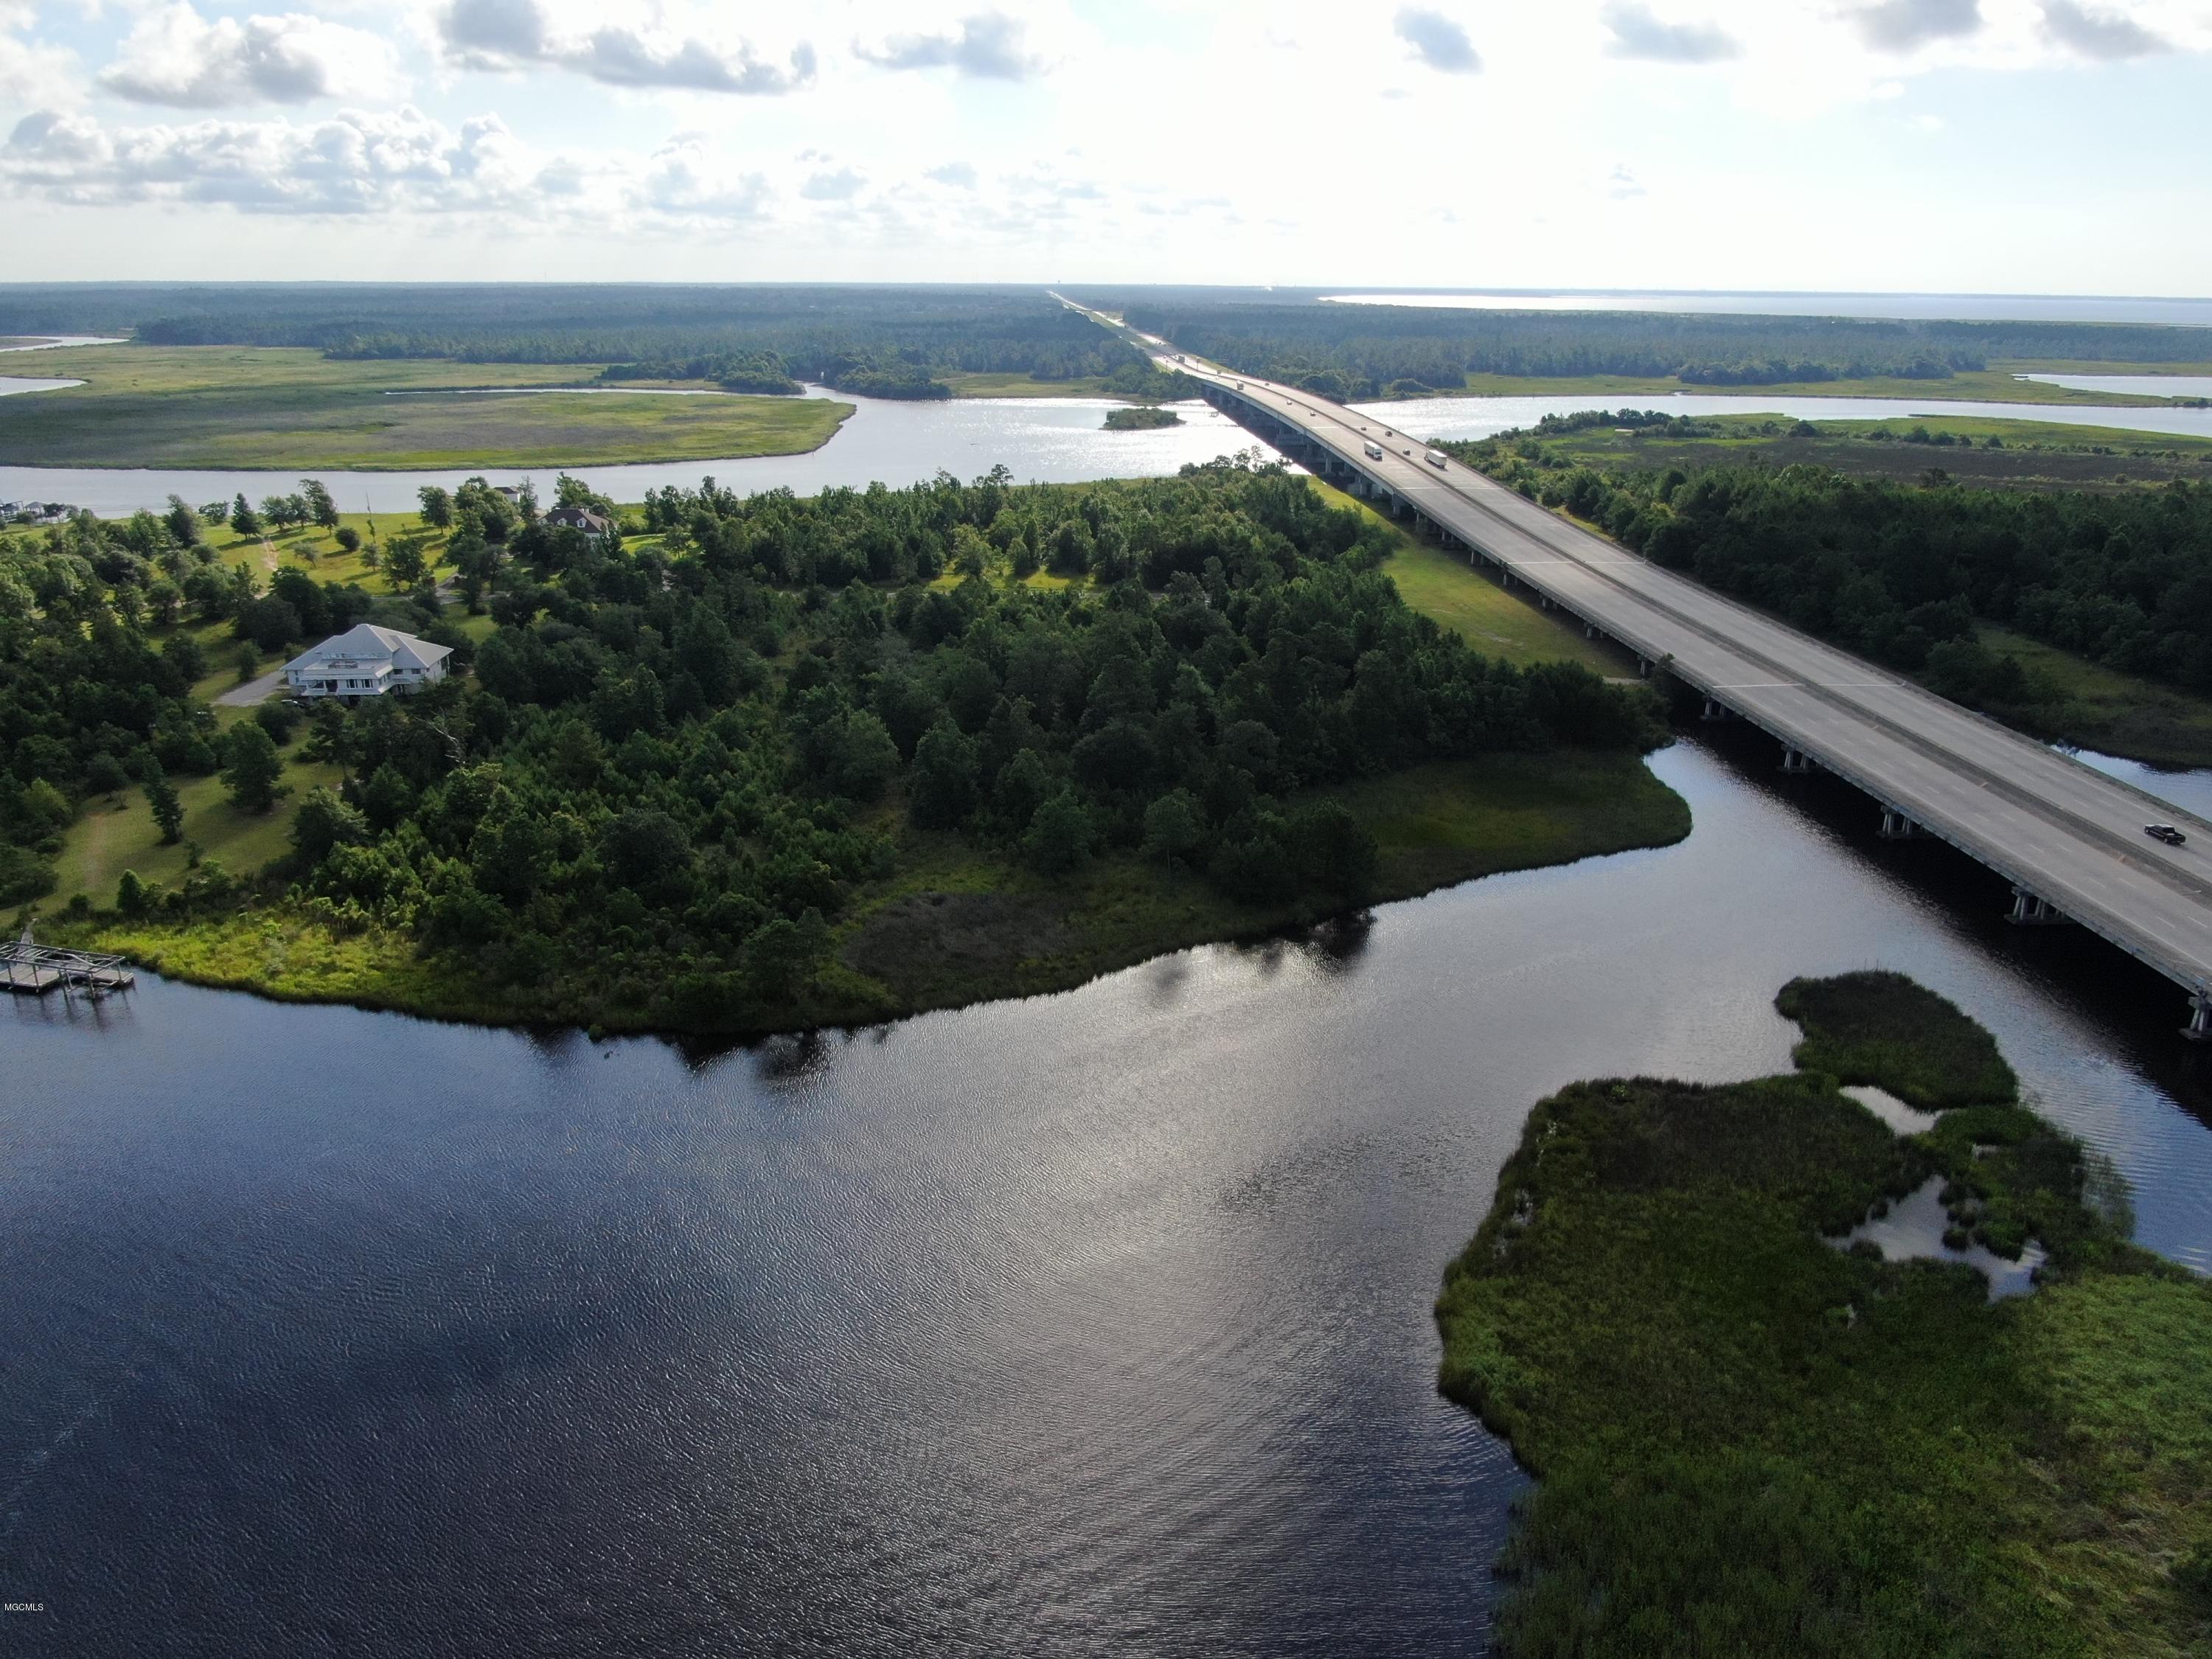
(1748,1440)
(288,408)
(763,762)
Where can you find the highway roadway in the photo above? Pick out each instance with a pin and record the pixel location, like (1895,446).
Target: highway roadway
(2063,833)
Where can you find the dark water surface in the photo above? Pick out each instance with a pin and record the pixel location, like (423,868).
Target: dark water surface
(1093,1324)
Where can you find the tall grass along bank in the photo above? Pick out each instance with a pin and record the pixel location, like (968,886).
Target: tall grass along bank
(1750,1440)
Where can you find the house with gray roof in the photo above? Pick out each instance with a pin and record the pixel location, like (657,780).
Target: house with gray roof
(368,661)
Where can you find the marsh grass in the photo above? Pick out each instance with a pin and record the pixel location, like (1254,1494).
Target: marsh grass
(284,407)
(1749,1442)
(1885,1030)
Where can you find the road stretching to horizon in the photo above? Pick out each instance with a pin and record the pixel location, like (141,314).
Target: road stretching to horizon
(2060,832)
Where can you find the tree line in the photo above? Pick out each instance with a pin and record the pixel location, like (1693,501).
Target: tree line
(1354,351)
(877,342)
(1900,573)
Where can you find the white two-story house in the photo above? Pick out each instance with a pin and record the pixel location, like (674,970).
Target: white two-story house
(367,662)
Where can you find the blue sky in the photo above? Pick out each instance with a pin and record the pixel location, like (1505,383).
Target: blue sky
(2044,146)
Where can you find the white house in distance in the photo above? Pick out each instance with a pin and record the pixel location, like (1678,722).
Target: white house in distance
(593,526)
(367,662)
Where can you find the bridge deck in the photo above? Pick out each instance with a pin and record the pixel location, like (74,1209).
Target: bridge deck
(2059,829)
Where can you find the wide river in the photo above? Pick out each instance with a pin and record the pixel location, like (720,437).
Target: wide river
(1039,440)
(1092,1324)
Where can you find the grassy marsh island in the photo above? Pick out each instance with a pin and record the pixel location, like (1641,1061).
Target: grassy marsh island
(1750,1440)
(287,408)
(1144,418)
(763,762)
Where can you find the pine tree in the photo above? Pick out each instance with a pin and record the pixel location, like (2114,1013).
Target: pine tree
(168,810)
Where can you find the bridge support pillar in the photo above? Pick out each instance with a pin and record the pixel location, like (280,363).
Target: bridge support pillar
(1543,601)
(1717,710)
(1589,630)
(2199,1028)
(1644,667)
(2029,911)
(1895,826)
(1796,760)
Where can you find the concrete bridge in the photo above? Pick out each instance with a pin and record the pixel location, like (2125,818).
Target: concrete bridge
(2068,839)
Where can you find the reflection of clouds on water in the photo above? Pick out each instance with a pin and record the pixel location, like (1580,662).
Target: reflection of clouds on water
(1912,1229)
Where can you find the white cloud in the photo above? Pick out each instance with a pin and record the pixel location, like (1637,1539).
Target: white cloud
(353,163)
(958,175)
(686,186)
(177,58)
(2098,35)
(1905,25)
(30,69)
(1638,32)
(987,45)
(507,35)
(841,185)
(1438,41)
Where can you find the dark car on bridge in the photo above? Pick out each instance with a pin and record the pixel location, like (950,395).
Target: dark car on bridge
(2166,833)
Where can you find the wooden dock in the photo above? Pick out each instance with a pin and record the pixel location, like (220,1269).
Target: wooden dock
(30,969)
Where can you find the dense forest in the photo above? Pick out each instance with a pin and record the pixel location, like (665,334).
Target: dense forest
(1901,572)
(1349,352)
(876,342)
(682,750)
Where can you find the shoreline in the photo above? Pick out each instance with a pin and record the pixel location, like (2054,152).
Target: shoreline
(1119,912)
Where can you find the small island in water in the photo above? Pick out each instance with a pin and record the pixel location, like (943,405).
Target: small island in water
(1141,418)
(1754,1433)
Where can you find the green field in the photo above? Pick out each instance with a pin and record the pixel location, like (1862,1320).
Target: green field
(1992,385)
(113,835)
(1444,588)
(282,407)
(1749,1441)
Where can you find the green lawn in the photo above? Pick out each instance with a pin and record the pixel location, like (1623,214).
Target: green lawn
(113,835)
(1443,586)
(283,408)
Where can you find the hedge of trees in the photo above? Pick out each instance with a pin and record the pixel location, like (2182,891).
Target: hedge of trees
(1900,572)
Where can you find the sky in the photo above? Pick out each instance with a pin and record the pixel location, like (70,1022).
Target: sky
(1980,145)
